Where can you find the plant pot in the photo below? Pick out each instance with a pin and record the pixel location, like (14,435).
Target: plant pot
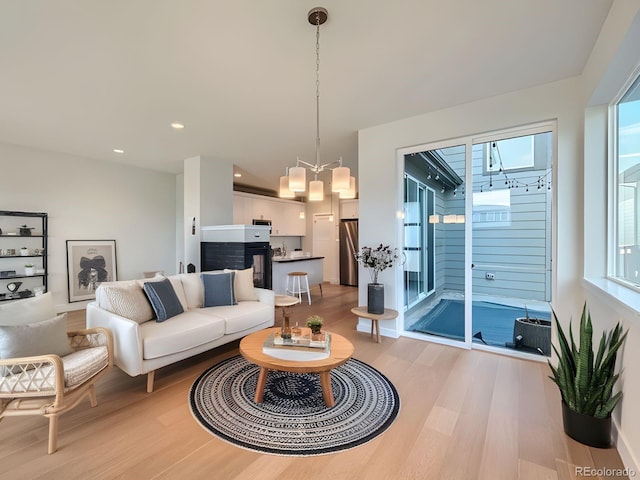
(592,431)
(535,333)
(375,298)
(28,271)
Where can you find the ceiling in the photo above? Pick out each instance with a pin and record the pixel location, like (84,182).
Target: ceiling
(86,76)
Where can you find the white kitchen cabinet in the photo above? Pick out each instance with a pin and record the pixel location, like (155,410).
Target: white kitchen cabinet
(348,208)
(284,214)
(242,210)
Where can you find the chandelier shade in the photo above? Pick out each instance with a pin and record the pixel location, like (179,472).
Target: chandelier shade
(316,191)
(351,193)
(297,179)
(285,192)
(340,179)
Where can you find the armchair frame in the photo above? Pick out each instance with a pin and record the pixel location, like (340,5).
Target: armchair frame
(36,385)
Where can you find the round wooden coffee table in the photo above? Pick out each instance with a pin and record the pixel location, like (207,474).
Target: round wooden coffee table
(251,349)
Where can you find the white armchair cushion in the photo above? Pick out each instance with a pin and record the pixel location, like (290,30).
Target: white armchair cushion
(83,364)
(78,367)
(28,310)
(31,339)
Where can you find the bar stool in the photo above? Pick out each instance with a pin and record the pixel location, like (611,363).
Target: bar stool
(294,278)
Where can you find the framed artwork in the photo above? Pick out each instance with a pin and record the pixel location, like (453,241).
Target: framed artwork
(89,263)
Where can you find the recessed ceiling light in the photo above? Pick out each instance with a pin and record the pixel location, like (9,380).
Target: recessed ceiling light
(177,125)
(118,150)
(237,175)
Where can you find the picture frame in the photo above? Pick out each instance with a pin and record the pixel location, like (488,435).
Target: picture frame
(89,263)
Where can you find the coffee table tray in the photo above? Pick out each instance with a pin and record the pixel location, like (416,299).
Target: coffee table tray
(297,349)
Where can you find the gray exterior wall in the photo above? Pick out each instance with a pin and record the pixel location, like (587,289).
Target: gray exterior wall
(516,252)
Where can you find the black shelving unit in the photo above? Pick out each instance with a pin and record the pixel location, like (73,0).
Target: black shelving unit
(13,238)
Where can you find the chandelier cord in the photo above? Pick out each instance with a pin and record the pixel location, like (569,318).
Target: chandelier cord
(317,91)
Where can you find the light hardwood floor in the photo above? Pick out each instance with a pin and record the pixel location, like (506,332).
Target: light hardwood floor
(464,415)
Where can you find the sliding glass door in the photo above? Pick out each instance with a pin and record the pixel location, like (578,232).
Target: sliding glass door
(434,242)
(477,240)
(419,275)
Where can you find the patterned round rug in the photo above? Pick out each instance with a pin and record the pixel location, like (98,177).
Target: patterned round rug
(293,419)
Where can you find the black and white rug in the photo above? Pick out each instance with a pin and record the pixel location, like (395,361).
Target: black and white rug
(293,419)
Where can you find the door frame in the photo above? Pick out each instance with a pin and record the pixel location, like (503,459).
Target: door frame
(468,141)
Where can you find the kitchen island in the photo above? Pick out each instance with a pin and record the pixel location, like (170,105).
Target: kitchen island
(281,266)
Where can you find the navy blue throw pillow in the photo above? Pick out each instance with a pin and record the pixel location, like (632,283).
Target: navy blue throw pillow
(218,289)
(163,298)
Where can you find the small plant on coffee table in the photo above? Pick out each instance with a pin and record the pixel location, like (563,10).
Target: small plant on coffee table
(314,322)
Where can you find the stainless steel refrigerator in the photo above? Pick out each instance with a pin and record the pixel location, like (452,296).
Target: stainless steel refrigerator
(348,234)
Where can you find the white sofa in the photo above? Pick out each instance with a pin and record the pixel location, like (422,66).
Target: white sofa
(142,344)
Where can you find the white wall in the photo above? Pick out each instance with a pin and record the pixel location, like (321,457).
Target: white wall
(380,175)
(93,200)
(208,200)
(580,228)
(612,61)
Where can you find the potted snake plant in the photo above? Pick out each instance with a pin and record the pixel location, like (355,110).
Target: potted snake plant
(586,381)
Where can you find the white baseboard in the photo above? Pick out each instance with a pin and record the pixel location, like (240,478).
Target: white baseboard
(627,456)
(365,326)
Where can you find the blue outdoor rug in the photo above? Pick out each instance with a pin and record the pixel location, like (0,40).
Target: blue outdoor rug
(493,320)
(293,419)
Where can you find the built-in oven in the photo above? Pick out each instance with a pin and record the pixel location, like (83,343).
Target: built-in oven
(259,221)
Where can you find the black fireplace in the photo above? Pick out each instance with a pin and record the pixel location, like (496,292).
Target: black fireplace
(238,256)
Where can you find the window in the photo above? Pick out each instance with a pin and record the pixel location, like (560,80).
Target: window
(510,154)
(492,209)
(626,158)
(517,154)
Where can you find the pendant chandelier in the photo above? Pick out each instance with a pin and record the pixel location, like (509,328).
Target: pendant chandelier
(296,177)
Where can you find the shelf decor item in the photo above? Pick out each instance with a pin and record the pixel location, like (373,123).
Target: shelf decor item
(375,260)
(26,231)
(28,269)
(89,263)
(24,252)
(586,381)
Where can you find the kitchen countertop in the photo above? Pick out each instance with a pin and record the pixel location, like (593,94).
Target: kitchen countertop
(297,259)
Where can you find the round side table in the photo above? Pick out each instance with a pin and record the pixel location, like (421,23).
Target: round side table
(389,314)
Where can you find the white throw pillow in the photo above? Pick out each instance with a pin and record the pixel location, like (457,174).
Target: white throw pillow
(243,285)
(193,292)
(125,298)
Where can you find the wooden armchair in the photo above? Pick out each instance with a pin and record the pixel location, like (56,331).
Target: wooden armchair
(50,385)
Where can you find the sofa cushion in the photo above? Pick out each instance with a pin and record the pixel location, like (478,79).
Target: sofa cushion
(176,283)
(243,285)
(182,332)
(125,298)
(242,316)
(218,289)
(163,299)
(193,292)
